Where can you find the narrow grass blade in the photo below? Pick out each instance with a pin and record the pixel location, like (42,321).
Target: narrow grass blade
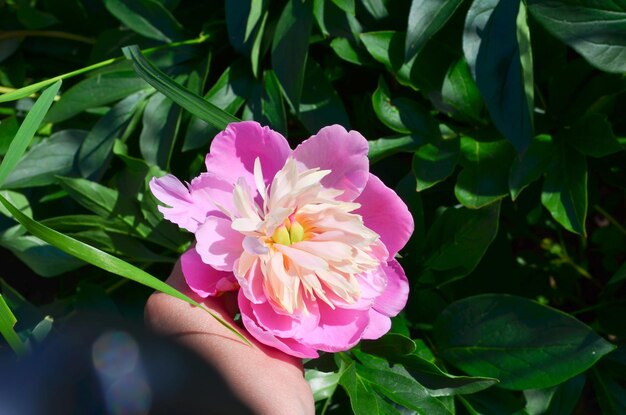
(105,261)
(27,130)
(7,322)
(176,92)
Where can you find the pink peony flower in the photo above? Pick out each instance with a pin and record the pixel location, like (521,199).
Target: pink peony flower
(308,236)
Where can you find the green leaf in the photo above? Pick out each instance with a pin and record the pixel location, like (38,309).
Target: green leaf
(8,130)
(18,200)
(345,5)
(94,92)
(362,400)
(7,322)
(557,400)
(531,165)
(176,92)
(266,105)
(402,114)
(385,147)
(323,384)
(434,162)
(460,93)
(610,392)
(593,136)
(457,241)
(388,346)
(290,48)
(496,46)
(27,130)
(564,191)
(387,47)
(53,156)
(95,151)
(149,18)
(595,29)
(44,259)
(121,246)
(106,262)
(344,48)
(161,121)
(320,104)
(484,178)
(75,223)
(425,19)
(518,341)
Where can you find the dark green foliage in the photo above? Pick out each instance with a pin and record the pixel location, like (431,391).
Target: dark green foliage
(499,122)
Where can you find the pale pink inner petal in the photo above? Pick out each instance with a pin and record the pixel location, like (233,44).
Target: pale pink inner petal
(386,214)
(343,153)
(379,324)
(218,244)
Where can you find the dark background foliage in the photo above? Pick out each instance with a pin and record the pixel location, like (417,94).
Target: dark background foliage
(499,122)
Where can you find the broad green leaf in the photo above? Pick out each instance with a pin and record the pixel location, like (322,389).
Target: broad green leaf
(434,162)
(265,104)
(320,104)
(402,114)
(95,151)
(228,93)
(385,147)
(27,130)
(345,5)
(148,18)
(460,93)
(557,400)
(323,384)
(610,392)
(531,165)
(496,47)
(106,262)
(389,346)
(290,48)
(94,92)
(362,399)
(387,47)
(7,322)
(161,121)
(425,19)
(176,92)
(344,48)
(518,341)
(593,136)
(18,200)
(457,241)
(484,178)
(44,259)
(564,191)
(8,130)
(53,156)
(595,29)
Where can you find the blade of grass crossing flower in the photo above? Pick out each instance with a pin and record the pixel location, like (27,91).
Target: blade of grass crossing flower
(27,130)
(105,261)
(176,92)
(7,324)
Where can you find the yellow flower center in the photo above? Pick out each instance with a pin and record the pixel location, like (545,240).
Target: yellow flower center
(288,233)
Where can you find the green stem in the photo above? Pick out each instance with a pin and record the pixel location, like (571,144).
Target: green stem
(596,306)
(46,33)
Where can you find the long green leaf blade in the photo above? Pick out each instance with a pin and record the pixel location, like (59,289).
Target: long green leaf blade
(176,92)
(105,261)
(27,130)
(7,322)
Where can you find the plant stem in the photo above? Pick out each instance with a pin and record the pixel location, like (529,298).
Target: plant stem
(610,218)
(46,33)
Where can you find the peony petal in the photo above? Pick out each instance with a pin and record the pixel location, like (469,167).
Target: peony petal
(287,345)
(251,281)
(386,214)
(284,325)
(203,279)
(378,326)
(189,207)
(393,300)
(343,153)
(218,244)
(234,150)
(338,329)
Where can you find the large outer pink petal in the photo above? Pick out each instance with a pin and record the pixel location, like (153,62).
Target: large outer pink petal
(393,300)
(203,279)
(234,150)
(218,244)
(190,206)
(287,345)
(386,214)
(284,325)
(343,153)
(338,329)
(379,325)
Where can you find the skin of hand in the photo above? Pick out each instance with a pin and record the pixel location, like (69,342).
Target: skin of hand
(266,379)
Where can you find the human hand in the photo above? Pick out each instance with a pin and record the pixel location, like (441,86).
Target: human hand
(266,379)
